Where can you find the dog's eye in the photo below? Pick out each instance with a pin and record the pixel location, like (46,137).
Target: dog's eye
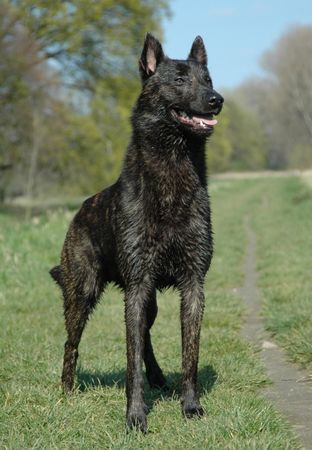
(179,81)
(207,79)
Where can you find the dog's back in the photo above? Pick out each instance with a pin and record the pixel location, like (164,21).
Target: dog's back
(151,229)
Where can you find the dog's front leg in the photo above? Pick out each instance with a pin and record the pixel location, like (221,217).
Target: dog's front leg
(135,308)
(192,307)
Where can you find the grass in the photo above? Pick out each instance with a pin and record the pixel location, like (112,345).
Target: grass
(280,211)
(283,224)
(35,414)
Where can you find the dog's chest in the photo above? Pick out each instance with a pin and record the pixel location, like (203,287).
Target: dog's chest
(165,229)
(169,193)
(179,236)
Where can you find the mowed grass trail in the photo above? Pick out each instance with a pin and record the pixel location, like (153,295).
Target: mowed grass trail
(283,223)
(35,414)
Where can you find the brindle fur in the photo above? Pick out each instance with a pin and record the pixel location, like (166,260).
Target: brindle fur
(150,230)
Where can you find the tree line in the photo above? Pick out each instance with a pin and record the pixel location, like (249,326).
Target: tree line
(68,80)
(267,122)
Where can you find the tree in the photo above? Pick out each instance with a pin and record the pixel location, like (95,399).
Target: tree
(18,71)
(291,68)
(219,148)
(88,39)
(68,71)
(239,142)
(283,99)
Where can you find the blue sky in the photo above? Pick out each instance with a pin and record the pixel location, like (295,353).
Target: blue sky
(236,32)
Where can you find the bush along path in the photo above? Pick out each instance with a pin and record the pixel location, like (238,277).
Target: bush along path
(291,388)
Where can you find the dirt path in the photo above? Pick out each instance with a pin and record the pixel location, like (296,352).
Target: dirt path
(259,174)
(291,390)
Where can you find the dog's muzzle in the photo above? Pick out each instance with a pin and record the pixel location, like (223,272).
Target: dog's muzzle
(215,103)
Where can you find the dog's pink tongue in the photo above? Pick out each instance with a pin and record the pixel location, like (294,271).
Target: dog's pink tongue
(206,121)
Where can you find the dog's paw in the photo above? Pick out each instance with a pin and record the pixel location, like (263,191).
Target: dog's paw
(192,409)
(68,385)
(136,420)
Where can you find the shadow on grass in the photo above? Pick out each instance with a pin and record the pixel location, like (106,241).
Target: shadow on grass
(88,380)
(207,377)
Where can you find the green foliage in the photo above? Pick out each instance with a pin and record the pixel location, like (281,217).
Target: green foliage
(69,79)
(300,156)
(219,147)
(82,100)
(239,142)
(91,39)
(247,138)
(88,150)
(16,73)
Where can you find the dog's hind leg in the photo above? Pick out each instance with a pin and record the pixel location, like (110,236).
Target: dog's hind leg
(154,373)
(76,312)
(192,308)
(80,297)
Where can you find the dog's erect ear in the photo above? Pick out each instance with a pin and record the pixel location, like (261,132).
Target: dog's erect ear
(198,51)
(152,55)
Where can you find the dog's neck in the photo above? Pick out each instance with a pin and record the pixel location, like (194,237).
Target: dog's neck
(166,154)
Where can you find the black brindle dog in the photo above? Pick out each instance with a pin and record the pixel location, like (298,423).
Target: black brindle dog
(151,229)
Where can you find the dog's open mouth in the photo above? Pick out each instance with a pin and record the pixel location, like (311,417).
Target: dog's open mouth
(194,120)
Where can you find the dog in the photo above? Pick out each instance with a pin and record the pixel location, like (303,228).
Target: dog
(152,228)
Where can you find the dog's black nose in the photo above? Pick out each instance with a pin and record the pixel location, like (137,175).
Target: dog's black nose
(216,101)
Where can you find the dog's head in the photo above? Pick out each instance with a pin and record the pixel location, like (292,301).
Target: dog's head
(183,88)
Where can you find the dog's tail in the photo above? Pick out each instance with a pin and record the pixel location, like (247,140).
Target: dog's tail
(56,274)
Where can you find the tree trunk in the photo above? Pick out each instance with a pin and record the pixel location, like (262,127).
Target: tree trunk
(33,162)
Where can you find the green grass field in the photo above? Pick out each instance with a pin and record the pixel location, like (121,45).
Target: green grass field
(35,414)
